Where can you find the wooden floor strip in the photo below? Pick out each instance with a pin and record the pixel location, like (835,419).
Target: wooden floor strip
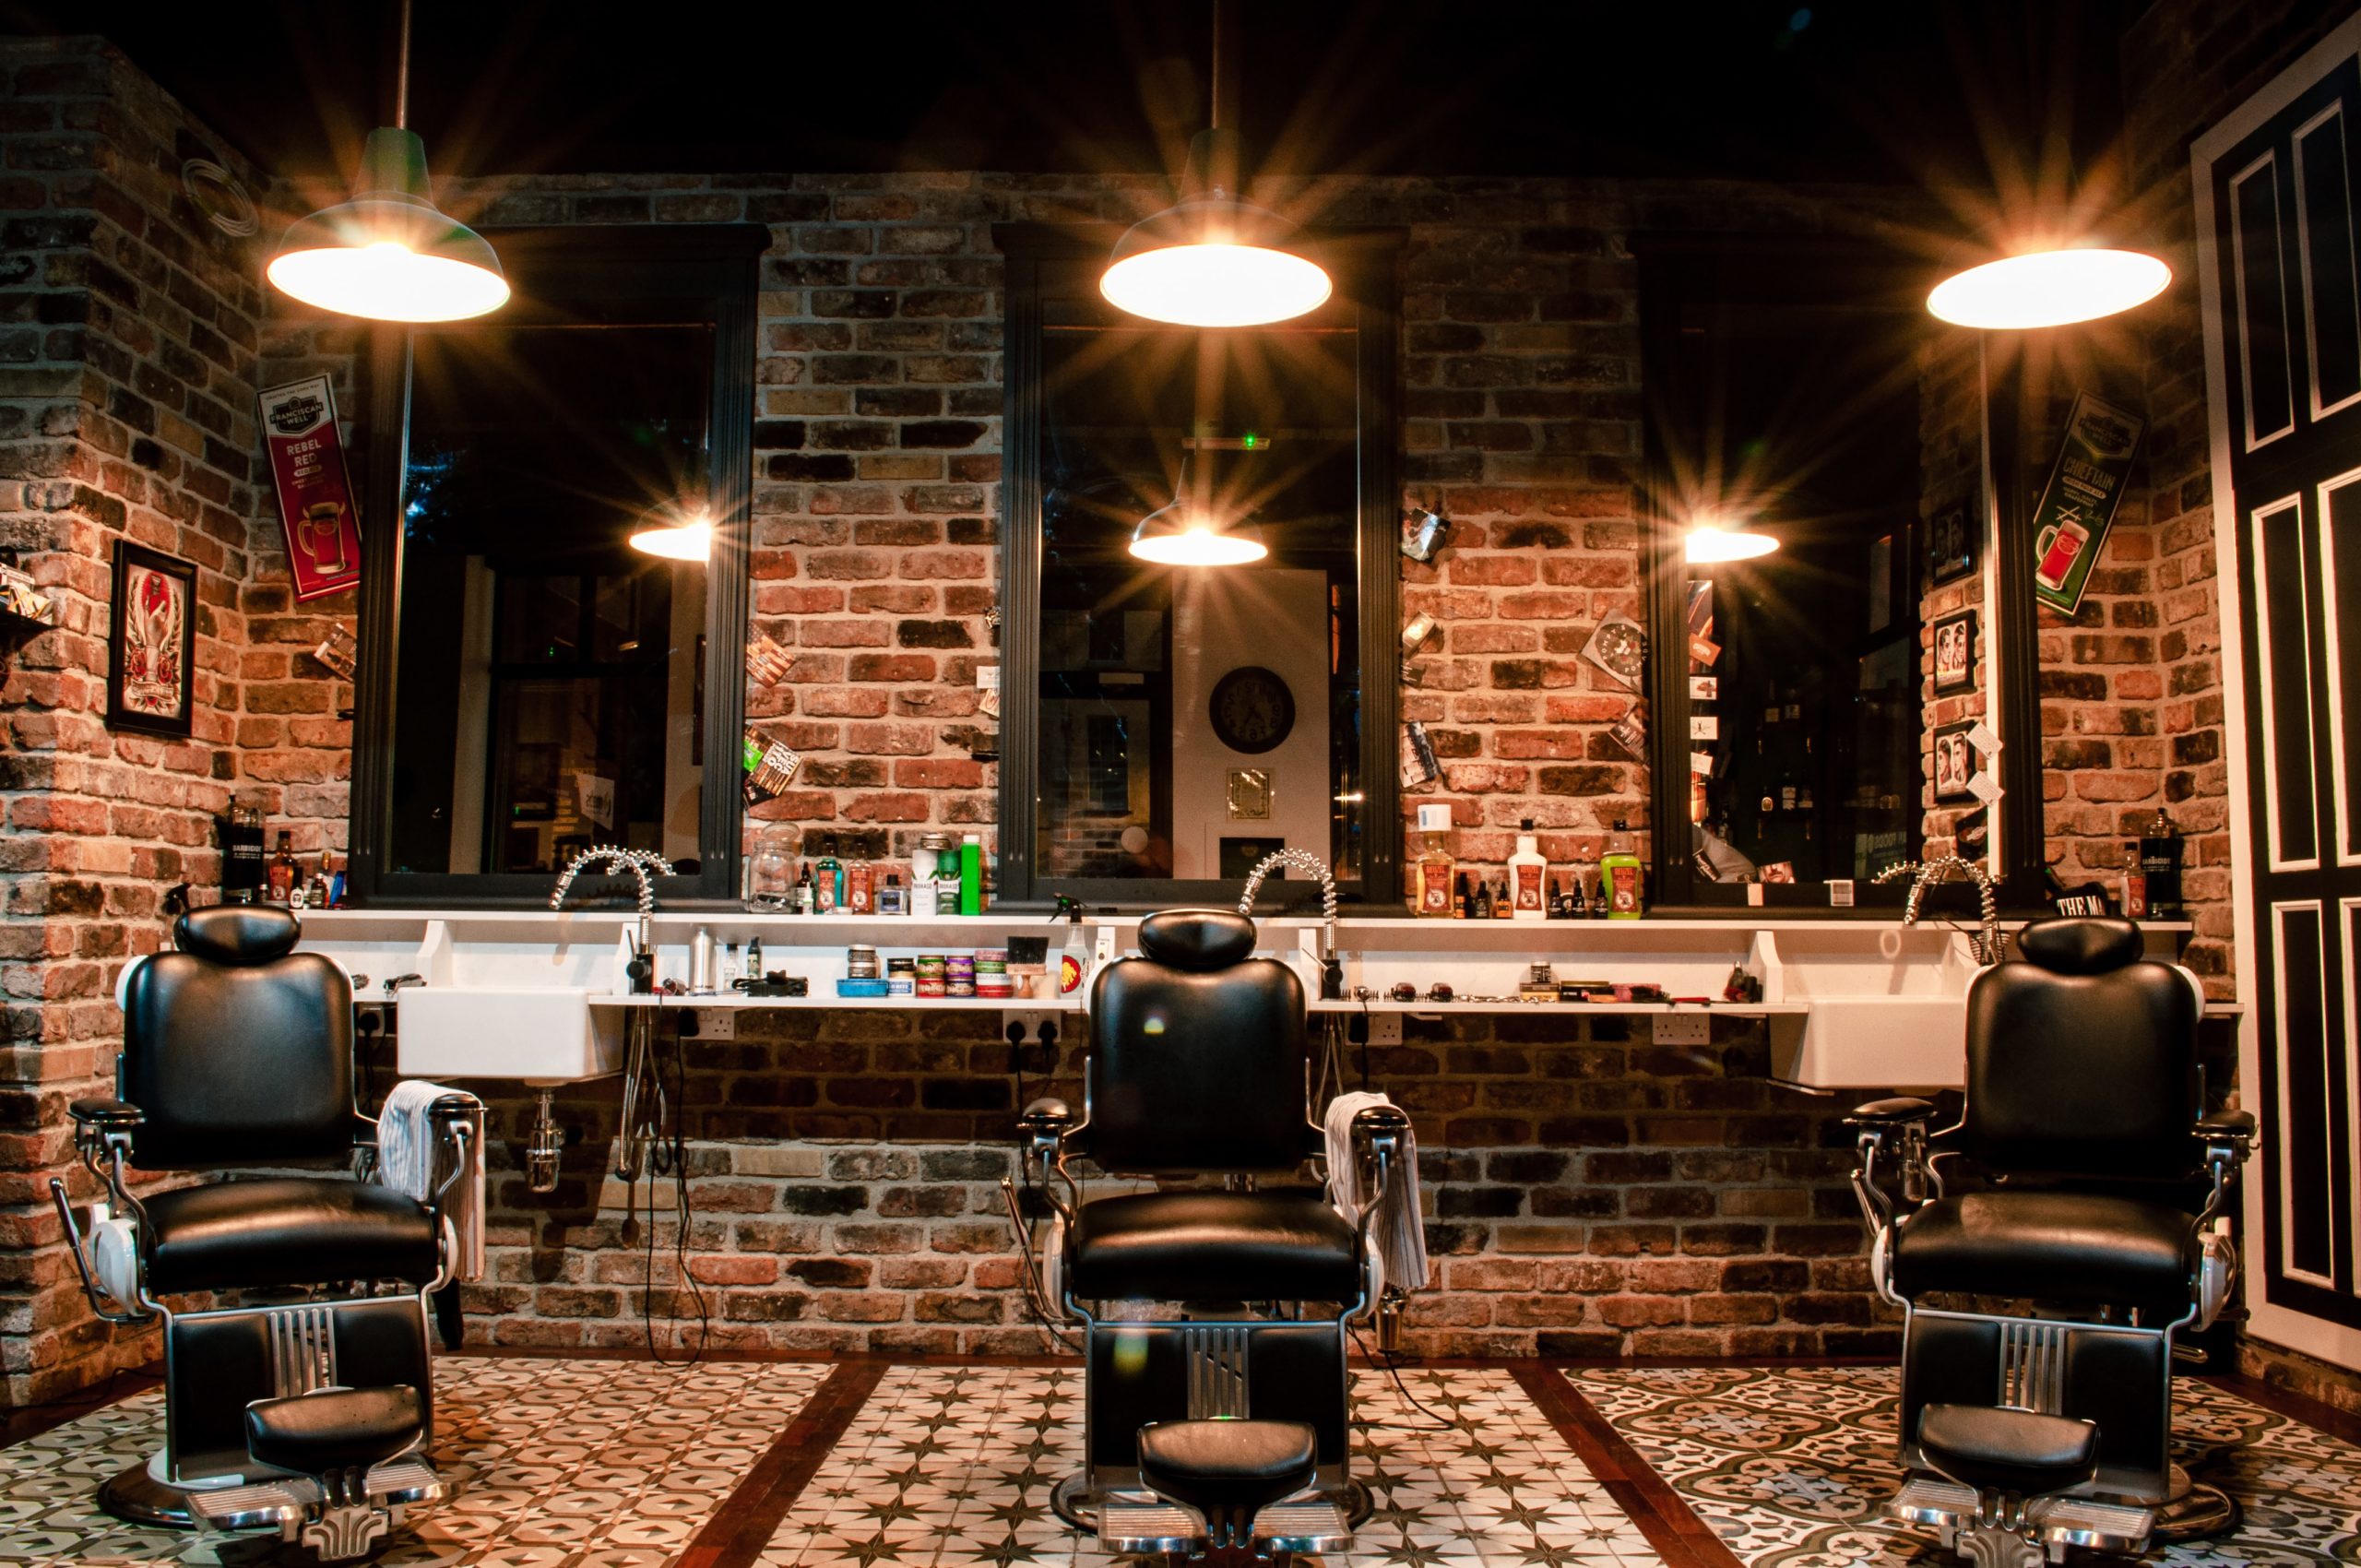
(1681,1538)
(744,1523)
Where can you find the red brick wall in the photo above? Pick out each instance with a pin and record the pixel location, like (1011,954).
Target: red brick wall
(127,342)
(1587,1192)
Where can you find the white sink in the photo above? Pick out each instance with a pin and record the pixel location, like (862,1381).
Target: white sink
(1876,1043)
(541,1034)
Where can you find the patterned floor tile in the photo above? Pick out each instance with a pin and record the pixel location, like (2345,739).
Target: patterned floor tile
(553,1463)
(1789,1467)
(952,1468)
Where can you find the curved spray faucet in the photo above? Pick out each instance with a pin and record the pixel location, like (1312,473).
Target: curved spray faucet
(1990,945)
(1331,972)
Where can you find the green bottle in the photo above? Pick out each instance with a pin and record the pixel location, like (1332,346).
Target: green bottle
(1620,867)
(831,873)
(971,874)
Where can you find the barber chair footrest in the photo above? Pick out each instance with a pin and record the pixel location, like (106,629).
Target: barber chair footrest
(299,1507)
(2059,1522)
(1145,1526)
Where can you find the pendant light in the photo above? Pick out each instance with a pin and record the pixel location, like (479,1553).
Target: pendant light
(389,254)
(1184,532)
(1215,259)
(678,531)
(2049,288)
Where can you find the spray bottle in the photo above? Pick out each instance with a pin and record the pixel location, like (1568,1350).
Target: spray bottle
(1074,962)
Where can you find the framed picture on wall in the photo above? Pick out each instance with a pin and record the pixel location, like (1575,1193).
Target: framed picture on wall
(151,642)
(1950,546)
(1954,653)
(1955,761)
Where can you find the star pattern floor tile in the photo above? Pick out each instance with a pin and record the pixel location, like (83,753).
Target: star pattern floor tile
(1789,1467)
(552,1463)
(953,1467)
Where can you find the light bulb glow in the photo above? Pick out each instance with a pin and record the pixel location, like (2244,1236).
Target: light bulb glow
(1710,543)
(676,541)
(386,280)
(1198,545)
(2049,288)
(1215,285)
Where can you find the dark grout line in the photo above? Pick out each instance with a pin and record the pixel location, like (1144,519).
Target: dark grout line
(1681,1538)
(742,1526)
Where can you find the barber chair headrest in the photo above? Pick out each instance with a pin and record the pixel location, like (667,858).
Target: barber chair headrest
(237,935)
(2081,944)
(1197,939)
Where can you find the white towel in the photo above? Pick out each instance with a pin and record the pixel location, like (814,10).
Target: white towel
(407,1161)
(1400,1227)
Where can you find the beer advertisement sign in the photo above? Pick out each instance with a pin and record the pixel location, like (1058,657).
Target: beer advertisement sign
(315,507)
(2078,506)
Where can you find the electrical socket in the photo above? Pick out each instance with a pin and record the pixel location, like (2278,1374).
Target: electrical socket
(1681,1029)
(717,1023)
(1032,1022)
(1385,1028)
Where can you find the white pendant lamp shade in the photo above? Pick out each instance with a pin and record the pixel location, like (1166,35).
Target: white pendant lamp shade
(2049,288)
(1179,535)
(1711,542)
(677,533)
(389,254)
(1214,262)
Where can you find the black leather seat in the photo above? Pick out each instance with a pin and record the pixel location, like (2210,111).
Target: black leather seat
(1287,1246)
(2020,1453)
(336,1429)
(2064,1248)
(1227,1464)
(286,1231)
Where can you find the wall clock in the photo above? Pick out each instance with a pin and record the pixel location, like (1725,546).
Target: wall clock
(1251,709)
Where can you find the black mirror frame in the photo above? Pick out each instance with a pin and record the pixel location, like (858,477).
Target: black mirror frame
(1370,259)
(2004,500)
(714,271)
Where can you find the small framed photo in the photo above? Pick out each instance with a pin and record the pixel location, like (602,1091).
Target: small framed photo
(1954,649)
(1950,546)
(151,642)
(1956,762)
(1423,532)
(1249,794)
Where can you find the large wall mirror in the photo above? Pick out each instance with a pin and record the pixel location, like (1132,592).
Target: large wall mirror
(1166,726)
(1846,702)
(553,651)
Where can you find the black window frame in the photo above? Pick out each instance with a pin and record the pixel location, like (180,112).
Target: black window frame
(711,273)
(1366,263)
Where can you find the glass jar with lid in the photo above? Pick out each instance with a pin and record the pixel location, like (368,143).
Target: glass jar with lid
(928,857)
(770,880)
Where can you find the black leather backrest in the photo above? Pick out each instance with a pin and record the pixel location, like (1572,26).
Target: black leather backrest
(1198,1055)
(2082,1058)
(239,1050)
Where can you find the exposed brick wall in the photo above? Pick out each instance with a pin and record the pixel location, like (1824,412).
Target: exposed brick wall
(127,343)
(1587,1192)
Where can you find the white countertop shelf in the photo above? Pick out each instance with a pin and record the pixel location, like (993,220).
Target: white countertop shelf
(869,1004)
(1424,1009)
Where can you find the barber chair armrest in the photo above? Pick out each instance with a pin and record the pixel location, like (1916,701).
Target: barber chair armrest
(1891,1112)
(115,1115)
(2227,1125)
(1049,1126)
(102,1129)
(1892,1131)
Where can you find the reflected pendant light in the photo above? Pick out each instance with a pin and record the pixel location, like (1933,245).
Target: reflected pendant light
(389,254)
(1214,259)
(2049,288)
(679,541)
(1184,533)
(1711,542)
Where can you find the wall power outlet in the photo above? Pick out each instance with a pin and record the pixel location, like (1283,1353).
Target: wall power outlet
(1681,1029)
(717,1023)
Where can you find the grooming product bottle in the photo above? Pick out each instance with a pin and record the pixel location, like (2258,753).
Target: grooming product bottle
(857,899)
(892,899)
(1074,962)
(734,967)
(701,963)
(754,960)
(1619,867)
(2160,852)
(2135,881)
(971,874)
(1501,908)
(278,886)
(242,855)
(1528,874)
(1482,908)
(1435,867)
(1463,903)
(828,878)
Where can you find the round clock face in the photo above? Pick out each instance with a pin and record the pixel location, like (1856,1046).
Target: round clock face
(1251,709)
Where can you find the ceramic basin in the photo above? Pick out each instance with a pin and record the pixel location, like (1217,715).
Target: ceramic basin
(541,1034)
(1877,1042)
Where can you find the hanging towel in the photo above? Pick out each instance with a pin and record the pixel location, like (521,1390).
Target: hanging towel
(1399,1231)
(407,1161)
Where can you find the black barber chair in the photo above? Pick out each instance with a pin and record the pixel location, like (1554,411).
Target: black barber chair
(297,1395)
(2047,1248)
(1215,1318)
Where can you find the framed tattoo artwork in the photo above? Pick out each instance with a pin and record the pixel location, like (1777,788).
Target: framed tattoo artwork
(151,642)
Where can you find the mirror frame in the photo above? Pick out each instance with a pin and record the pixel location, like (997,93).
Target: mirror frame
(1369,259)
(1887,281)
(712,271)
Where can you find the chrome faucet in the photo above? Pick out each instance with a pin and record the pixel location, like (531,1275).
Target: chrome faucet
(1989,944)
(1331,972)
(644,864)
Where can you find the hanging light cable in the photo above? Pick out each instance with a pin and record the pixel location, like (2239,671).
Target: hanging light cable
(1214,259)
(1184,532)
(389,254)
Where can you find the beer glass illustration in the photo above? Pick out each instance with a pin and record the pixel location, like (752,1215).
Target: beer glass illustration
(322,528)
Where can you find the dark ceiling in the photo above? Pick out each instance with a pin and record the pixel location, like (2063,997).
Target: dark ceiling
(1907,91)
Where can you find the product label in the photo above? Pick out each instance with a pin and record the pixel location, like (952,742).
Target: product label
(1529,887)
(1623,890)
(1434,893)
(1069,974)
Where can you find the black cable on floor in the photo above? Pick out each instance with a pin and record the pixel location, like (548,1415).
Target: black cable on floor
(1391,1361)
(683,1217)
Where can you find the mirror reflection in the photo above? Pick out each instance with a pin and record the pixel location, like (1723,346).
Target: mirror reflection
(1200,680)
(551,662)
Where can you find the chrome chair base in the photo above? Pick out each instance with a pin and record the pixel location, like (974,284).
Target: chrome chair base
(298,1507)
(1074,1501)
